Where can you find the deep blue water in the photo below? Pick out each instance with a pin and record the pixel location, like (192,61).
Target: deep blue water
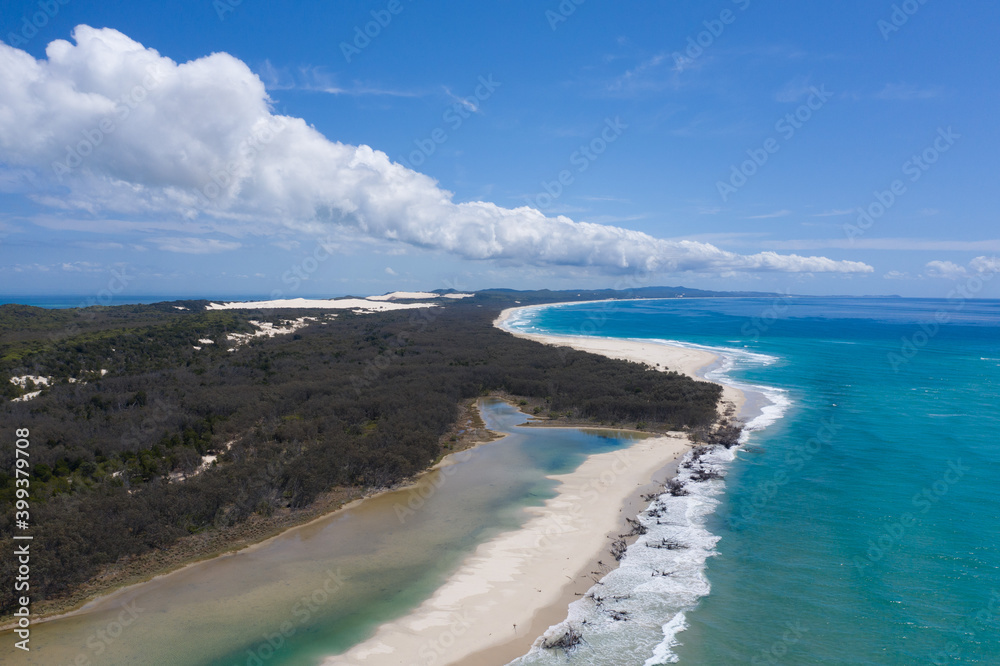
(862,527)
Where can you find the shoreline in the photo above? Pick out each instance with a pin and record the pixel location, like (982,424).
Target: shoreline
(583,579)
(152,567)
(514,586)
(686,360)
(543,612)
(514,598)
(478,434)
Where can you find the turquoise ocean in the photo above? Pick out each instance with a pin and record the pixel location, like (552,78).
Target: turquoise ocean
(859,522)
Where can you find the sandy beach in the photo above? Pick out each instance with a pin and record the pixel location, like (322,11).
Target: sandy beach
(499,600)
(517,585)
(494,598)
(690,362)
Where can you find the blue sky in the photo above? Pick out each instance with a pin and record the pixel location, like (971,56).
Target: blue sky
(497,102)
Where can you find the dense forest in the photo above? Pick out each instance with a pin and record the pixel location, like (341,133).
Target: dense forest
(140,396)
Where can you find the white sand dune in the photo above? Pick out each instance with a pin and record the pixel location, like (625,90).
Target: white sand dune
(396,295)
(356,304)
(401,295)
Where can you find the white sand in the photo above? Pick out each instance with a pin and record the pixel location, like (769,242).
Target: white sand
(23,380)
(266,329)
(38,380)
(358,304)
(403,294)
(510,578)
(396,295)
(514,586)
(691,362)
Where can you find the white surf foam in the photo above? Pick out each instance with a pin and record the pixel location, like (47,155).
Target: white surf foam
(662,653)
(663,573)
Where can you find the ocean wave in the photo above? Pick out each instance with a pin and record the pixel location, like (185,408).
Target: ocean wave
(730,357)
(662,574)
(730,360)
(778,403)
(521,320)
(662,653)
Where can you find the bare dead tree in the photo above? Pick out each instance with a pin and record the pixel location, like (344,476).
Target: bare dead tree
(618,547)
(666,544)
(675,487)
(637,528)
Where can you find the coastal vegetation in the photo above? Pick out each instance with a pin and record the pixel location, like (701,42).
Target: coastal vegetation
(155,422)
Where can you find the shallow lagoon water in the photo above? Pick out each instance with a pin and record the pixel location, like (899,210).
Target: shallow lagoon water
(328,584)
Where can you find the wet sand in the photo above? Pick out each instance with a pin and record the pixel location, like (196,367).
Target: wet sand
(520,583)
(517,584)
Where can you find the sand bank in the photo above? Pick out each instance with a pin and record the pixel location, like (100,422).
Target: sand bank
(517,585)
(496,595)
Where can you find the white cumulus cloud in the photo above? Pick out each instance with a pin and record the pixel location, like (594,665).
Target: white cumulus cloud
(982,266)
(985,265)
(944,269)
(110,127)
